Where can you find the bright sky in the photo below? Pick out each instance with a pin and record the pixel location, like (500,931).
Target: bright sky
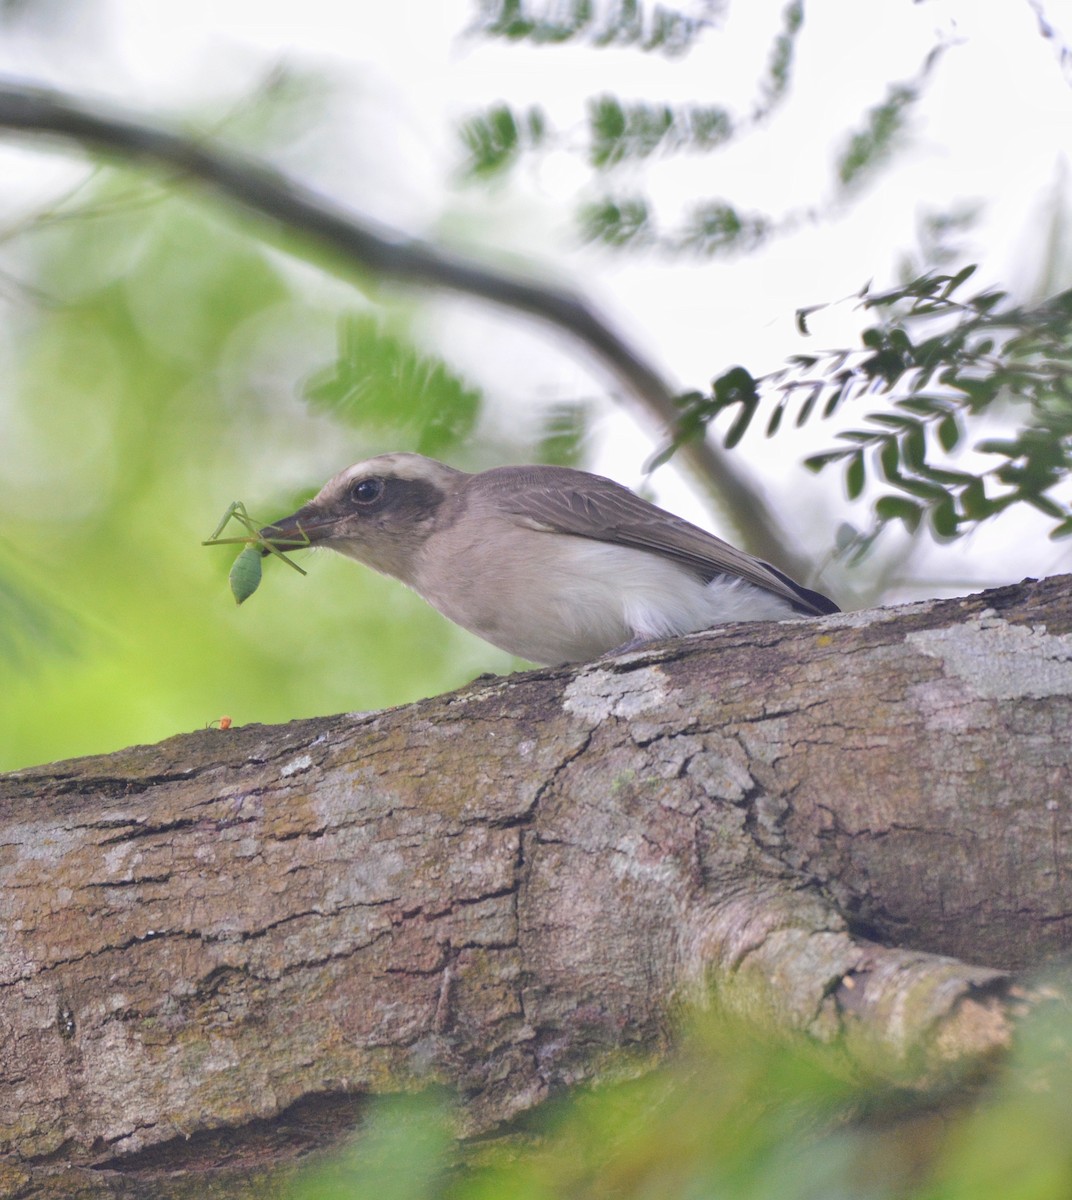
(995,129)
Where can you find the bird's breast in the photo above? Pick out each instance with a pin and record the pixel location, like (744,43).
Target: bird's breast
(553,598)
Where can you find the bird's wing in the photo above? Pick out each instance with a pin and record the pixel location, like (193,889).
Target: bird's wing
(556,501)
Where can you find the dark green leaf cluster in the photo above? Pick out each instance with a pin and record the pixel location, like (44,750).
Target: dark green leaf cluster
(773,87)
(714,227)
(496,138)
(619,131)
(628,131)
(735,388)
(381,380)
(626,221)
(872,146)
(940,363)
(611,23)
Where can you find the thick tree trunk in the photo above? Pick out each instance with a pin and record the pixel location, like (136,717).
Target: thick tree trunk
(814,823)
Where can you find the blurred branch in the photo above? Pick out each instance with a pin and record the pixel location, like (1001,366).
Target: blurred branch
(392,255)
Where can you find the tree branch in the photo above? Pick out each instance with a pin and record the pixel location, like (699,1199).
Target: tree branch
(817,824)
(392,255)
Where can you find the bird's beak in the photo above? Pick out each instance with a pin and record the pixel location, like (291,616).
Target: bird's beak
(306,527)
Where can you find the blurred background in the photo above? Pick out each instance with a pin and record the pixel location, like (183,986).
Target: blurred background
(700,171)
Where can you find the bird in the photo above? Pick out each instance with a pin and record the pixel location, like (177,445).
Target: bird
(552,564)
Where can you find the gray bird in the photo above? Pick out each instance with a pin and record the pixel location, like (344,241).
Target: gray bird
(551,564)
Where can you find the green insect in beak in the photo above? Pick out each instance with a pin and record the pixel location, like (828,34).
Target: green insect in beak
(245,576)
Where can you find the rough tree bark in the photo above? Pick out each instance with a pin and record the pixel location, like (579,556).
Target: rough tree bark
(817,824)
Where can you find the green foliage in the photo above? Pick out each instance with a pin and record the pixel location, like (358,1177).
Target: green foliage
(156,385)
(741,1115)
(495,139)
(717,227)
(404,1153)
(775,84)
(610,23)
(565,427)
(871,147)
(380,380)
(1017,1143)
(625,221)
(942,363)
(618,132)
(33,622)
(712,228)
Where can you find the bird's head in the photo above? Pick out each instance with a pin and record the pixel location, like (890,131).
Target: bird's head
(379,512)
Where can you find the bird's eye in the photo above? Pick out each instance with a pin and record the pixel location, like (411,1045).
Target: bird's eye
(366,491)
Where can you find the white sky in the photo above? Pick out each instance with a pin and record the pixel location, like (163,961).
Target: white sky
(995,128)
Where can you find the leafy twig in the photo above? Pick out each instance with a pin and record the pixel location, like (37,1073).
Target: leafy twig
(390,254)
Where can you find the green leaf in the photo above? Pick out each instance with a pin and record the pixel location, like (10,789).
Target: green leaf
(946,476)
(707,127)
(834,401)
(737,386)
(779,66)
(973,501)
(1045,505)
(986,301)
(873,145)
(625,23)
(618,132)
(491,139)
(715,227)
(948,432)
(893,420)
(854,475)
(381,380)
(496,138)
(816,462)
(943,517)
(802,328)
(914,447)
(933,493)
(956,280)
(809,404)
(898,508)
(775,420)
(618,223)
(606,126)
(890,459)
(1002,446)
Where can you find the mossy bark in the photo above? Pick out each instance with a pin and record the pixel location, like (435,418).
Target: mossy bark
(818,824)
